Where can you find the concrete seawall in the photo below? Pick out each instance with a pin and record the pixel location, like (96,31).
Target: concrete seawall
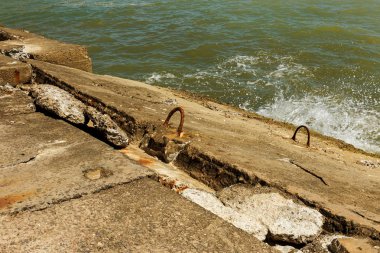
(222,155)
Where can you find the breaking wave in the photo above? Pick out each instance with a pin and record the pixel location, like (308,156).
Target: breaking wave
(347,120)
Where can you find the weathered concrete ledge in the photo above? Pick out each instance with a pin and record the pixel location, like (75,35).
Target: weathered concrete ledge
(21,45)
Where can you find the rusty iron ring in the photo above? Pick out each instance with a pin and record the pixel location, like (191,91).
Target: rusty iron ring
(182,112)
(308,134)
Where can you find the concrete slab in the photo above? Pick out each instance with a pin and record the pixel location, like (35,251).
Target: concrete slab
(22,44)
(141,216)
(45,160)
(228,146)
(13,71)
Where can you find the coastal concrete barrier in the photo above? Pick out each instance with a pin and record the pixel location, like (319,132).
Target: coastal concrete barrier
(20,44)
(241,166)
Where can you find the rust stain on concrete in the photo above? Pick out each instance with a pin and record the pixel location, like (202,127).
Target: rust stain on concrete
(145,162)
(124,151)
(11,199)
(5,183)
(17,76)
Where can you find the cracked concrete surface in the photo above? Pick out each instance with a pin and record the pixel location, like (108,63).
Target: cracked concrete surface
(62,190)
(141,216)
(46,164)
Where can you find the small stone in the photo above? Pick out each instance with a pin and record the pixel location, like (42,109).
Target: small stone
(59,102)
(93,174)
(97,173)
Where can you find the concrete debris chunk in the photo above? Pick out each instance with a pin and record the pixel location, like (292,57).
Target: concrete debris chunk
(285,220)
(107,127)
(321,243)
(287,249)
(18,53)
(59,102)
(211,203)
(162,147)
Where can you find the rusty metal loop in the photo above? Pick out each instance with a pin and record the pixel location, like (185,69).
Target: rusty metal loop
(308,134)
(182,112)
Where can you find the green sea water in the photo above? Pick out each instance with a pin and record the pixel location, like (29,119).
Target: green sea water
(305,62)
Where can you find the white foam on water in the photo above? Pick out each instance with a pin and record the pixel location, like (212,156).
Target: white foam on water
(345,120)
(157,77)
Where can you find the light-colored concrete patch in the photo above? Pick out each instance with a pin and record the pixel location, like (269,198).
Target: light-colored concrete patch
(286,221)
(211,203)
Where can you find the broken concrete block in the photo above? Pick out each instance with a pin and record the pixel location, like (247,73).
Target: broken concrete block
(211,203)
(162,147)
(13,71)
(353,245)
(286,220)
(59,102)
(107,127)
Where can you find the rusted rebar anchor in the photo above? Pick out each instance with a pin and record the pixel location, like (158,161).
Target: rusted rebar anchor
(308,134)
(182,112)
